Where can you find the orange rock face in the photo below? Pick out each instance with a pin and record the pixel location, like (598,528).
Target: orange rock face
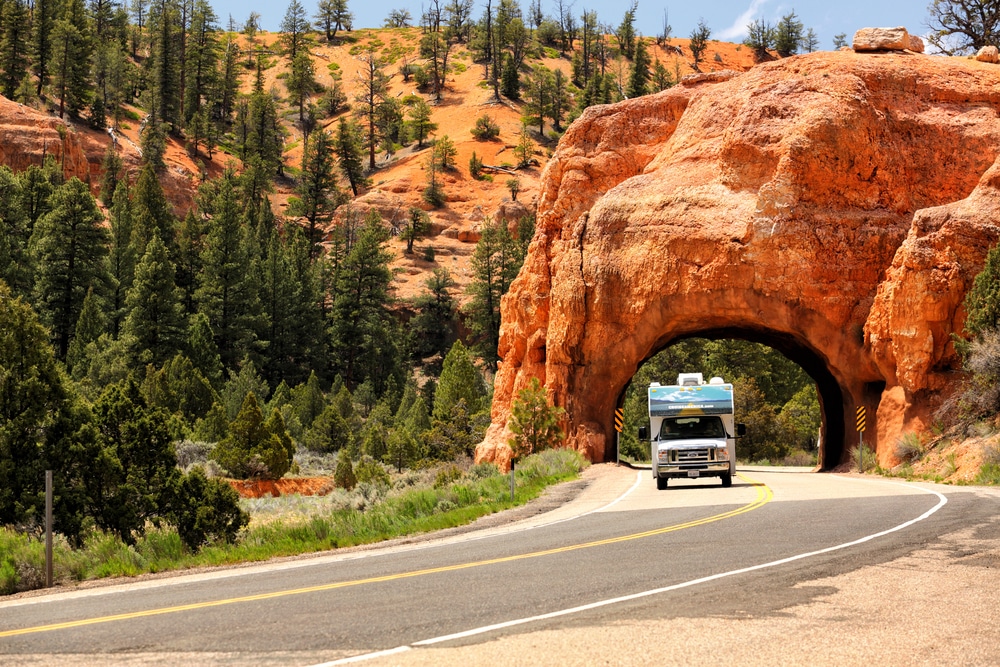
(835,206)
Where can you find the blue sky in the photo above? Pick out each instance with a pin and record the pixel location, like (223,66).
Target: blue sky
(726,18)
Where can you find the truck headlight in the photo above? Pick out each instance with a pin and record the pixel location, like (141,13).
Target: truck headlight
(664,455)
(722,454)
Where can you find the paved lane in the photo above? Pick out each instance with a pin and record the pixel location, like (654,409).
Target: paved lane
(342,606)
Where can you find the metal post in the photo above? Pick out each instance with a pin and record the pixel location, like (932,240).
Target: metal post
(512,480)
(48,528)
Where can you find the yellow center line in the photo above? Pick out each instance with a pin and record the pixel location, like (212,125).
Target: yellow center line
(764,495)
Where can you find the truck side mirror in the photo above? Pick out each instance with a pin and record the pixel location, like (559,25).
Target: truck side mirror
(741,430)
(643,433)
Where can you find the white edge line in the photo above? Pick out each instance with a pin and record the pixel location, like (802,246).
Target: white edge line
(942,500)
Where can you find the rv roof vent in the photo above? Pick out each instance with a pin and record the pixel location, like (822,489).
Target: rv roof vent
(690,379)
(717,380)
(654,384)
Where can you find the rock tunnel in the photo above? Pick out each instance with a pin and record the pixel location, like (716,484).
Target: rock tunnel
(834,206)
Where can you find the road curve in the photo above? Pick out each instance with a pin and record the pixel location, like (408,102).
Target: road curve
(622,555)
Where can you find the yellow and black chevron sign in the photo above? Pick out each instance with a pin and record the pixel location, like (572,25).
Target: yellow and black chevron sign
(861,419)
(619,420)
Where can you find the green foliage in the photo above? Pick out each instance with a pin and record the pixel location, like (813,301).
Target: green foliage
(350,154)
(329,432)
(767,438)
(252,447)
(534,423)
(486,129)
(788,35)
(370,471)
(459,381)
(433,326)
(475,166)
(982,302)
(639,79)
(343,475)
(760,38)
(207,511)
(699,41)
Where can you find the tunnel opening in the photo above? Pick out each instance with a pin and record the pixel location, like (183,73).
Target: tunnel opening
(832,437)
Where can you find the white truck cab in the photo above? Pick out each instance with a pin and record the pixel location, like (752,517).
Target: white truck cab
(692,430)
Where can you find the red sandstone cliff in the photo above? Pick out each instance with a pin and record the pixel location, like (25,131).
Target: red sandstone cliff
(834,205)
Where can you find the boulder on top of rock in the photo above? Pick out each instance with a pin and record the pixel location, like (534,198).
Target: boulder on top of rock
(988,54)
(883,39)
(916,44)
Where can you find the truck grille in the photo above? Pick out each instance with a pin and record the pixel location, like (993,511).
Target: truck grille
(692,455)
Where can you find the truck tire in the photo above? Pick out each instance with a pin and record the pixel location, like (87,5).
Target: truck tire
(661,483)
(727,479)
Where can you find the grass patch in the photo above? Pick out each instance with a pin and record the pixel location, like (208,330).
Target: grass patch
(294,524)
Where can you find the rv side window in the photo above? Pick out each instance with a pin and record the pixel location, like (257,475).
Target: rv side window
(681,428)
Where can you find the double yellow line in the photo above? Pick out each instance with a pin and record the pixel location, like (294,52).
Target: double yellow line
(764,495)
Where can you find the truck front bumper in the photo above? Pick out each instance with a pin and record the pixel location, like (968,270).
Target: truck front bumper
(716,469)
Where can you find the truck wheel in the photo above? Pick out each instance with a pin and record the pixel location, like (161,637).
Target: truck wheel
(661,483)
(727,479)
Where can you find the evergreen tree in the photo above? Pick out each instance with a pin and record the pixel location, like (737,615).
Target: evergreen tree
(497,259)
(560,100)
(418,223)
(329,432)
(699,41)
(227,293)
(202,350)
(294,27)
(228,79)
(122,258)
(179,388)
(71,54)
(638,82)
(70,250)
(350,154)
(15,231)
(151,213)
(982,302)
(538,96)
(308,400)
(372,84)
(190,244)
(333,15)
(240,383)
(301,81)
(317,189)
(163,64)
(436,310)
(534,423)
(155,325)
(138,474)
(89,327)
(253,447)
(43,22)
(344,476)
(15,45)
(113,167)
(625,34)
(201,62)
(434,48)
(788,35)
(420,121)
(363,330)
(259,134)
(459,381)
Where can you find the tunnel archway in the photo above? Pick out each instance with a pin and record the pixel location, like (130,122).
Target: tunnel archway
(833,443)
(814,219)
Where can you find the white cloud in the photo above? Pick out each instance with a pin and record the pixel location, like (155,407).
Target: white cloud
(739,26)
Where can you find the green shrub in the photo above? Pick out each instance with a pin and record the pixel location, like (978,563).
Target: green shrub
(910,447)
(989,474)
(447,475)
(486,129)
(343,475)
(370,471)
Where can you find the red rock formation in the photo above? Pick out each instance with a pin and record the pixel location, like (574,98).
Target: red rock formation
(833,205)
(30,135)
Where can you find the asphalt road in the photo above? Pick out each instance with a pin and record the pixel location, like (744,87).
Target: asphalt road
(623,552)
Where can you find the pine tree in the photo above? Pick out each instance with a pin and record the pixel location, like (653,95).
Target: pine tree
(626,31)
(560,101)
(459,381)
(699,42)
(71,54)
(202,60)
(113,167)
(420,121)
(788,35)
(982,302)
(251,447)
(538,96)
(638,82)
(534,423)
(14,46)
(317,189)
(293,28)
(70,249)
(164,64)
(42,23)
(301,81)
(418,223)
(122,258)
(363,330)
(15,231)
(155,325)
(260,136)
(350,154)
(497,259)
(436,310)
(202,350)
(226,290)
(435,47)
(372,84)
(331,16)
(151,213)
(89,327)
(190,243)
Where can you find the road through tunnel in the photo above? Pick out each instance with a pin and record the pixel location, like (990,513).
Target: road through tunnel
(800,365)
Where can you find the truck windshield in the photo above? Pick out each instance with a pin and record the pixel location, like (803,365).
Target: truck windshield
(680,428)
